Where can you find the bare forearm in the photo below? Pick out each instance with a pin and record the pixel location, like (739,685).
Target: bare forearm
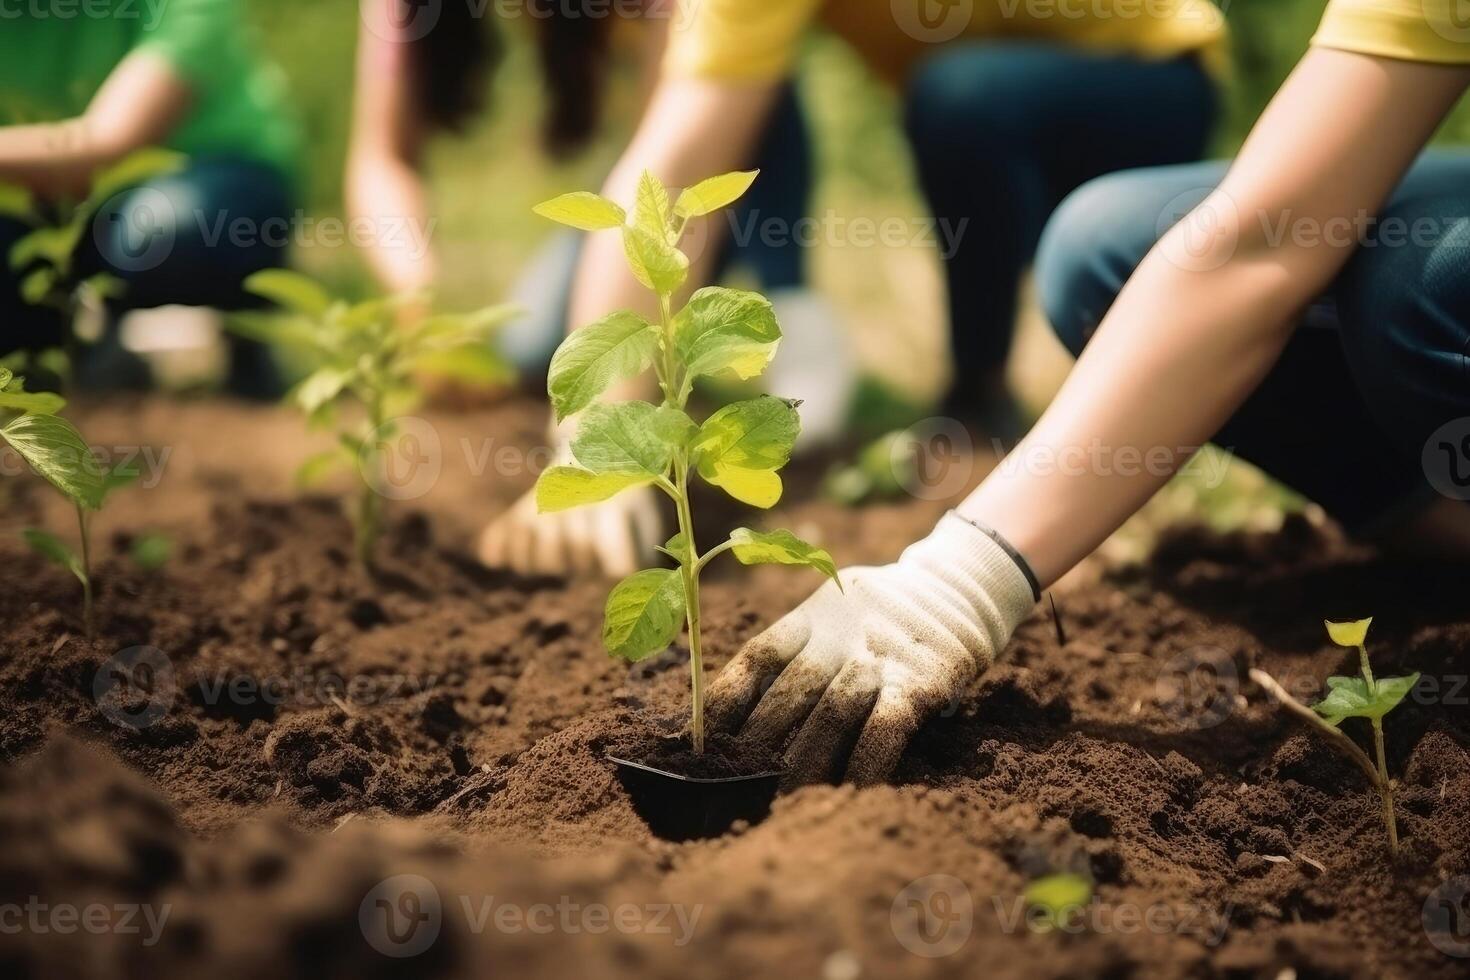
(389,197)
(1192,334)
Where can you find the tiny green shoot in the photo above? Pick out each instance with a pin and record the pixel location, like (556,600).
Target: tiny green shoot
(1363,696)
(151,550)
(366,357)
(57,452)
(1056,899)
(740,448)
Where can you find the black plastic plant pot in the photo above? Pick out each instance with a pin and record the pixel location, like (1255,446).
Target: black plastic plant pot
(680,808)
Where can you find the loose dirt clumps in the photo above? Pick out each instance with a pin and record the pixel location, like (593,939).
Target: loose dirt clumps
(319,751)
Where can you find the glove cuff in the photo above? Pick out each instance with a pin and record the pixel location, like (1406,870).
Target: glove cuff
(981,565)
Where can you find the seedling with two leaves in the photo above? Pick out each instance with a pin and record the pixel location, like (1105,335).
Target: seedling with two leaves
(1363,696)
(57,452)
(740,448)
(369,360)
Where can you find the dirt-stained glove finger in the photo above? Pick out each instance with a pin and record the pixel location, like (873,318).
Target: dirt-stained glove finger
(492,544)
(548,551)
(820,749)
(895,717)
(788,702)
(616,550)
(738,687)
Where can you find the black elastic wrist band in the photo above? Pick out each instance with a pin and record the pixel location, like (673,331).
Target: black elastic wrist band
(1008,548)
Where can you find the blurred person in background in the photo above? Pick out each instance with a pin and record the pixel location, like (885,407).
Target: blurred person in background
(425,73)
(1311,303)
(82,89)
(1007,110)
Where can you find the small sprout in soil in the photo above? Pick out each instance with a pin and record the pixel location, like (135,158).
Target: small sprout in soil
(151,550)
(57,452)
(369,356)
(1056,900)
(1363,696)
(740,448)
(881,471)
(45,259)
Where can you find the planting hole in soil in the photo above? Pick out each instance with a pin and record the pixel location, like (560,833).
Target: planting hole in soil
(683,795)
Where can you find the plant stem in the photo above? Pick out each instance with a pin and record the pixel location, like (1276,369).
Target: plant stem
(86,571)
(1377,775)
(1367,669)
(689,571)
(368,505)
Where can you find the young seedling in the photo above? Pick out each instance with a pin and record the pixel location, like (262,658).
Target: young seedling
(1055,900)
(367,356)
(46,258)
(740,448)
(58,453)
(1354,697)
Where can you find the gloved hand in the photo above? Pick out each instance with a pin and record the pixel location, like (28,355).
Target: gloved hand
(862,669)
(615,538)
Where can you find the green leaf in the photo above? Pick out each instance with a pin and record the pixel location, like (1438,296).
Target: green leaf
(16,203)
(321,387)
(449,330)
(644,613)
(780,548)
(56,450)
(654,262)
(755,434)
(651,211)
(151,550)
(1350,697)
(6,375)
(291,291)
(53,245)
(565,487)
(119,477)
(714,193)
(590,359)
(630,437)
(474,363)
(758,488)
(37,285)
(584,210)
(676,548)
(726,330)
(132,170)
(39,403)
(52,548)
(319,466)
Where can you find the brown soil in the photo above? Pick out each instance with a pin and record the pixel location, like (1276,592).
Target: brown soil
(321,731)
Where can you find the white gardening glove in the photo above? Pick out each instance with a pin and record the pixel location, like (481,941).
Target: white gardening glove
(615,538)
(860,670)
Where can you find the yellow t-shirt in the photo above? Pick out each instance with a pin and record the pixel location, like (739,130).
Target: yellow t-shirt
(1414,30)
(757,39)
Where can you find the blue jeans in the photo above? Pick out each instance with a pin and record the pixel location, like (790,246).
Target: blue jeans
(1379,363)
(1001,133)
(778,199)
(190,238)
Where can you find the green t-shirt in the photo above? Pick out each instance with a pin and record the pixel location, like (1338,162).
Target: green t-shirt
(54,58)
